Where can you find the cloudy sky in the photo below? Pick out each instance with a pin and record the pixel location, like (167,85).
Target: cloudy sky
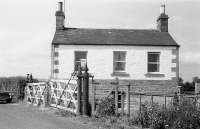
(27,28)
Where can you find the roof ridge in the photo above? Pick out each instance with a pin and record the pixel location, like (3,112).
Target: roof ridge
(82,28)
(94,36)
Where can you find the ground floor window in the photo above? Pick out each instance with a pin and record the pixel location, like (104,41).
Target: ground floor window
(121,97)
(119,61)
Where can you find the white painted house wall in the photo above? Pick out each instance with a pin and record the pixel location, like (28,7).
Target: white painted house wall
(100,61)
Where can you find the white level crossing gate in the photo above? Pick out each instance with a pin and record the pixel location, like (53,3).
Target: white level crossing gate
(34,93)
(61,94)
(64,94)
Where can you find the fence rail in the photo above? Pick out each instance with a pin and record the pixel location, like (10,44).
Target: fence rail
(13,85)
(128,102)
(135,101)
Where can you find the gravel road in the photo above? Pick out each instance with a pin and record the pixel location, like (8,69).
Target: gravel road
(20,116)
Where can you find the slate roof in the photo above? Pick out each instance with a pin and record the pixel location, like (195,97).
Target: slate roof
(81,36)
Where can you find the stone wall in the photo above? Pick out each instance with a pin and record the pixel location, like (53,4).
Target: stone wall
(103,87)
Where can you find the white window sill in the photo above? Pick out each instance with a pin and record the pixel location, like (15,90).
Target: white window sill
(120,74)
(154,74)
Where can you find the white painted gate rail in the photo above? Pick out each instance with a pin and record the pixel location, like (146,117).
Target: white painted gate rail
(61,94)
(64,94)
(34,93)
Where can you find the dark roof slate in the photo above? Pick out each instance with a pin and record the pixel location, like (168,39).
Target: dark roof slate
(80,36)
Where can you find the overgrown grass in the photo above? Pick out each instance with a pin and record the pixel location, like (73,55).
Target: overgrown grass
(106,118)
(64,113)
(184,114)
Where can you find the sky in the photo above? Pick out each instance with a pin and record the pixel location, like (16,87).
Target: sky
(27,28)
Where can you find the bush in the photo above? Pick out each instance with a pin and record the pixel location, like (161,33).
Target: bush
(145,117)
(151,116)
(106,107)
(185,116)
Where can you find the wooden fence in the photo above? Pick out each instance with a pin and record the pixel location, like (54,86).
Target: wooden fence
(15,86)
(129,102)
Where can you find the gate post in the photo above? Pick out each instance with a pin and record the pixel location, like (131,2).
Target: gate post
(47,94)
(116,96)
(128,100)
(79,82)
(93,97)
(86,92)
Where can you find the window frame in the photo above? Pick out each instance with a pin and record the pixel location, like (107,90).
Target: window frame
(76,69)
(120,93)
(119,71)
(155,63)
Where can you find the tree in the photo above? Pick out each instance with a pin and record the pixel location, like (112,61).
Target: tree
(196,79)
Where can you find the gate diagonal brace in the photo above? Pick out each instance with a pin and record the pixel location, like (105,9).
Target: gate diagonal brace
(72,77)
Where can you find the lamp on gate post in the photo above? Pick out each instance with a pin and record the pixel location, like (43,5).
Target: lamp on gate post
(83,64)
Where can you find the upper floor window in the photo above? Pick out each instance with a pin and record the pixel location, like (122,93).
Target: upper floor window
(119,62)
(153,61)
(79,55)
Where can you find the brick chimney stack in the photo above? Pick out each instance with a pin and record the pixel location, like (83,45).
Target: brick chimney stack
(162,21)
(60,17)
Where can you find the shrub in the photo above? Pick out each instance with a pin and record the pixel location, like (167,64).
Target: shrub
(106,107)
(185,116)
(144,117)
(151,116)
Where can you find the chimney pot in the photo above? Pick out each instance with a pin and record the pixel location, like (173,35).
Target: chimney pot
(60,6)
(162,21)
(60,17)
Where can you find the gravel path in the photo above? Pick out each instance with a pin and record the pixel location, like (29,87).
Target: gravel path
(19,116)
